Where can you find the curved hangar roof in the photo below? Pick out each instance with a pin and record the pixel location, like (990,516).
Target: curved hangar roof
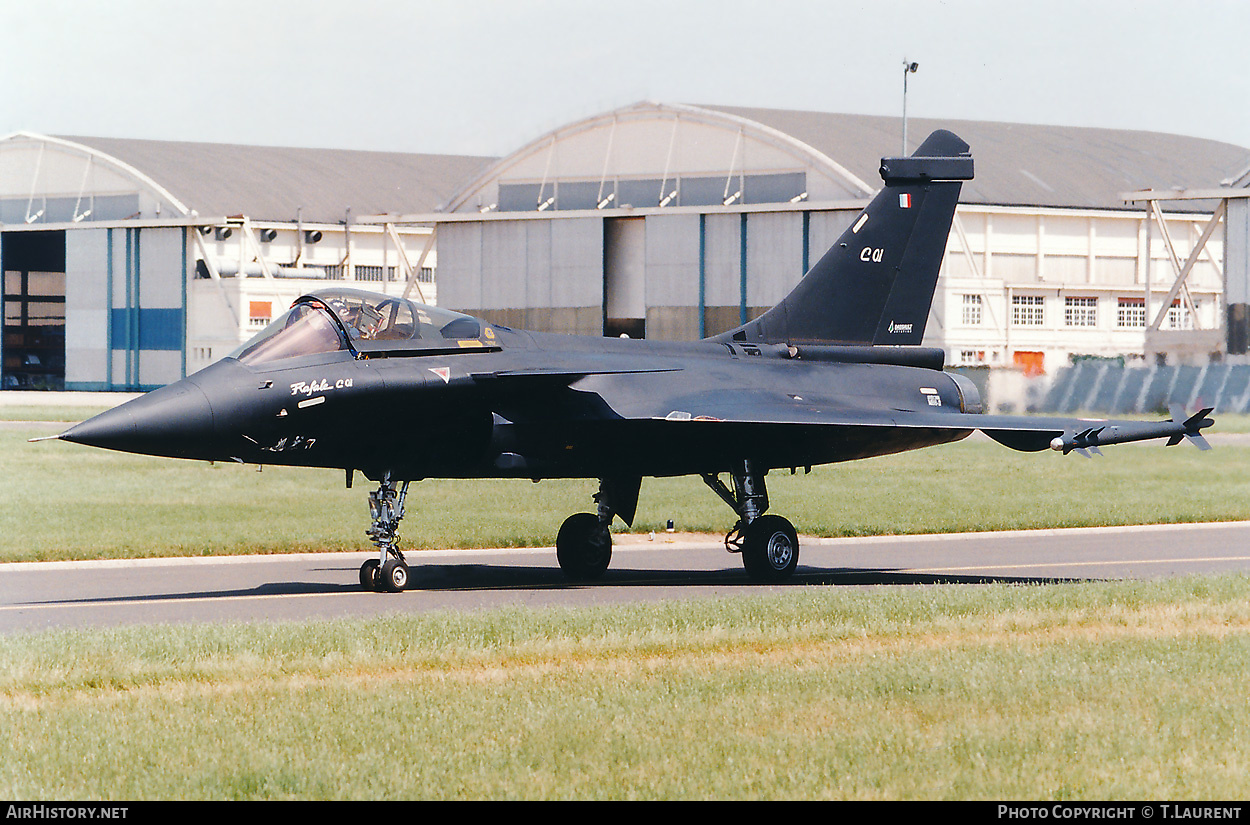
(114,178)
(652,154)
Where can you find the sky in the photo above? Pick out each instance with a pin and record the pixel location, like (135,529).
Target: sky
(484,77)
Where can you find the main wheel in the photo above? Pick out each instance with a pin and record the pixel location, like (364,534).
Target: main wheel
(369,579)
(770,549)
(583,548)
(394,576)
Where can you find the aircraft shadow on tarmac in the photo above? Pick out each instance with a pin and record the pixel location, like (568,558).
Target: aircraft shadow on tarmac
(483,577)
(491,577)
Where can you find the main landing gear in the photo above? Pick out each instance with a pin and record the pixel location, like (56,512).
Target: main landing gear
(769,544)
(389,572)
(584,543)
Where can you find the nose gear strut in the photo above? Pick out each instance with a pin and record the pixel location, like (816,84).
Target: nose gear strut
(388,572)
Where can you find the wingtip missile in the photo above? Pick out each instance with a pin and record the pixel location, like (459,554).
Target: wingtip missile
(1175,430)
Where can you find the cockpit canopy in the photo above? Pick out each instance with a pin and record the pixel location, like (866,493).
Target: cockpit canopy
(365,323)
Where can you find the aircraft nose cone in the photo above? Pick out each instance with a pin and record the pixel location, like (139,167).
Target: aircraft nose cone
(174,421)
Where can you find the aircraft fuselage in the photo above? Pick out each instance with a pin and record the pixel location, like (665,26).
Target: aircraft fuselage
(538,406)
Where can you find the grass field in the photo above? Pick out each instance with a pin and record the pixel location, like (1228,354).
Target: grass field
(1096,691)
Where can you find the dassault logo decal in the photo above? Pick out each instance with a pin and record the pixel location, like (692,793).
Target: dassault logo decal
(897,328)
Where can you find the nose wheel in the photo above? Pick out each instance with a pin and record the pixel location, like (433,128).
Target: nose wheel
(389,572)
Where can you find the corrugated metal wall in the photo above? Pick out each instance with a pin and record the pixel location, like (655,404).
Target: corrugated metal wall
(531,274)
(87,309)
(673,277)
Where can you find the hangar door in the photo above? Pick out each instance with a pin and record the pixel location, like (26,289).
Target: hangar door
(544,275)
(125,313)
(34,310)
(624,277)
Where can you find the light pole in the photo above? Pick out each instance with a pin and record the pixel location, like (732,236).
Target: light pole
(908,68)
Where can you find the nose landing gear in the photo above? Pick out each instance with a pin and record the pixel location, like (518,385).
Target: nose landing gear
(389,572)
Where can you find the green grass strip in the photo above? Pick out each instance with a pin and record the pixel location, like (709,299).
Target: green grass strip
(1092,691)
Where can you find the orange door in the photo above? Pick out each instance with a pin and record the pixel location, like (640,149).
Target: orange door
(1031,362)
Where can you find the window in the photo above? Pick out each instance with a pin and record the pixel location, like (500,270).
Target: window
(374,273)
(259,313)
(972,311)
(1080,312)
(1131,313)
(1179,316)
(1026,310)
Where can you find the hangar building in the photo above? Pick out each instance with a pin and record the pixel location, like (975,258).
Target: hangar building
(678,222)
(122,258)
(129,263)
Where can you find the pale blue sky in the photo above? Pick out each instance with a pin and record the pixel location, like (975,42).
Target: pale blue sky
(485,76)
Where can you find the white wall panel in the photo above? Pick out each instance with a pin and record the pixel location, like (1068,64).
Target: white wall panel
(1237,260)
(722,263)
(86,306)
(774,256)
(503,264)
(577,262)
(85,366)
(120,262)
(460,265)
(161,268)
(537,264)
(673,260)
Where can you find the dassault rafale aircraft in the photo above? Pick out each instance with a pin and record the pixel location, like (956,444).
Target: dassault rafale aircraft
(834,372)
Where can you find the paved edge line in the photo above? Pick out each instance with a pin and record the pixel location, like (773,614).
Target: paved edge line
(357,556)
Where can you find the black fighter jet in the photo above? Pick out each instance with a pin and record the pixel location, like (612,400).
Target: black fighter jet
(834,372)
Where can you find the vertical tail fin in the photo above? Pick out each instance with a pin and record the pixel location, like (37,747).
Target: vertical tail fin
(875,285)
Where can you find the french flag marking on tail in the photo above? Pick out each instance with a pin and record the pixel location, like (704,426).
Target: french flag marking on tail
(904,200)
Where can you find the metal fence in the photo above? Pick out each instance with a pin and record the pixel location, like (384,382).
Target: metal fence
(1107,387)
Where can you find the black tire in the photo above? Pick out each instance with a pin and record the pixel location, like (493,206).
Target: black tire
(369,578)
(770,549)
(583,549)
(394,576)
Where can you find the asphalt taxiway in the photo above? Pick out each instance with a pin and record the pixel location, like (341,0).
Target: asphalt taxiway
(48,595)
